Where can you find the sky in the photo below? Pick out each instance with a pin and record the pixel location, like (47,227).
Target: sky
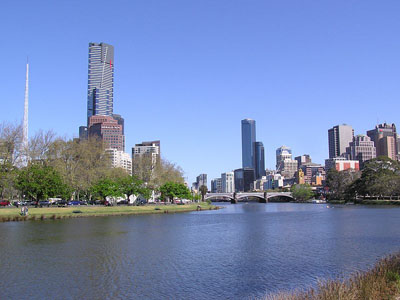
(188,72)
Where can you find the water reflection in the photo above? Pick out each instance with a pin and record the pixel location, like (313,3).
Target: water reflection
(240,251)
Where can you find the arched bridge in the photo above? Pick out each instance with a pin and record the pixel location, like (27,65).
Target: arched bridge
(235,197)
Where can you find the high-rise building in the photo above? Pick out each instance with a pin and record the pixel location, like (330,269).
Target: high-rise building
(216,185)
(386,140)
(146,150)
(239,180)
(228,182)
(361,149)
(248,143)
(282,153)
(83,132)
(120,121)
(100,93)
(339,138)
(107,129)
(201,180)
(259,157)
(303,159)
(120,159)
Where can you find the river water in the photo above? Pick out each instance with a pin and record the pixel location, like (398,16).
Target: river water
(241,251)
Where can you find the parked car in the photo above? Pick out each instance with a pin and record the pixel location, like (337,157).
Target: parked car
(123,202)
(4,203)
(42,203)
(62,203)
(74,203)
(83,203)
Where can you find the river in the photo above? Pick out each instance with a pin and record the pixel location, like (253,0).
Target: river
(241,251)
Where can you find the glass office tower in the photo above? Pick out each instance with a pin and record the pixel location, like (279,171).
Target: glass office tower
(248,143)
(100,95)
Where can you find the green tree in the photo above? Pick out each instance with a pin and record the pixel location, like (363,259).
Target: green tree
(380,177)
(302,192)
(203,191)
(10,154)
(130,185)
(107,187)
(38,181)
(340,183)
(170,190)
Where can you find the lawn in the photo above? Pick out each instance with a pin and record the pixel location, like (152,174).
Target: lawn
(13,214)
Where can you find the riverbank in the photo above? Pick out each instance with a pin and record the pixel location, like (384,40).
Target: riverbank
(366,202)
(56,213)
(380,282)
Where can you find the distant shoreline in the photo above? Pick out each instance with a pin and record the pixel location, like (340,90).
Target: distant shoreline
(58,213)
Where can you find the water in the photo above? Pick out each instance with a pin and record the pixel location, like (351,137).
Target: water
(242,251)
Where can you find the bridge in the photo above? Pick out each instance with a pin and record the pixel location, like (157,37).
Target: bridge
(235,197)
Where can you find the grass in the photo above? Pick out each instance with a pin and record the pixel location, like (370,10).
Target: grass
(380,282)
(13,214)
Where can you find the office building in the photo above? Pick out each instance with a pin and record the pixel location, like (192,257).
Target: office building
(216,185)
(285,165)
(303,160)
(312,170)
(386,140)
(239,180)
(282,153)
(120,159)
(83,132)
(248,143)
(274,181)
(339,138)
(201,180)
(100,91)
(341,164)
(228,182)
(108,130)
(259,157)
(361,149)
(149,151)
(120,121)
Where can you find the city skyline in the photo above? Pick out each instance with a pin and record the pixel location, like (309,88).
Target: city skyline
(277,75)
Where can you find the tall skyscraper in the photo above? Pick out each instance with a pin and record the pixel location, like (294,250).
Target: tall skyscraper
(386,140)
(248,143)
(100,94)
(259,157)
(339,138)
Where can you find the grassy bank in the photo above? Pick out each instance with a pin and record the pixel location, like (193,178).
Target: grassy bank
(13,214)
(381,282)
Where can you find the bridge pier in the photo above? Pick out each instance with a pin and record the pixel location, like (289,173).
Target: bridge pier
(234,200)
(266,197)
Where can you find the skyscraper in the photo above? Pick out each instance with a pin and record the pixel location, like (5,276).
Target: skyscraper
(248,143)
(100,93)
(386,140)
(339,138)
(259,159)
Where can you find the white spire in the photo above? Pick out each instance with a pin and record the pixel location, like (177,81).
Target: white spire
(25,124)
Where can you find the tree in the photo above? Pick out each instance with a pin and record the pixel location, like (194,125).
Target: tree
(340,183)
(170,190)
(130,185)
(80,163)
(107,188)
(38,181)
(203,190)
(302,192)
(380,177)
(155,173)
(10,154)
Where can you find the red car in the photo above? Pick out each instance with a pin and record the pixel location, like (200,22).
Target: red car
(4,203)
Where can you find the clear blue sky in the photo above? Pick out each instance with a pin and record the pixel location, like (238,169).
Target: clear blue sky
(187,72)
